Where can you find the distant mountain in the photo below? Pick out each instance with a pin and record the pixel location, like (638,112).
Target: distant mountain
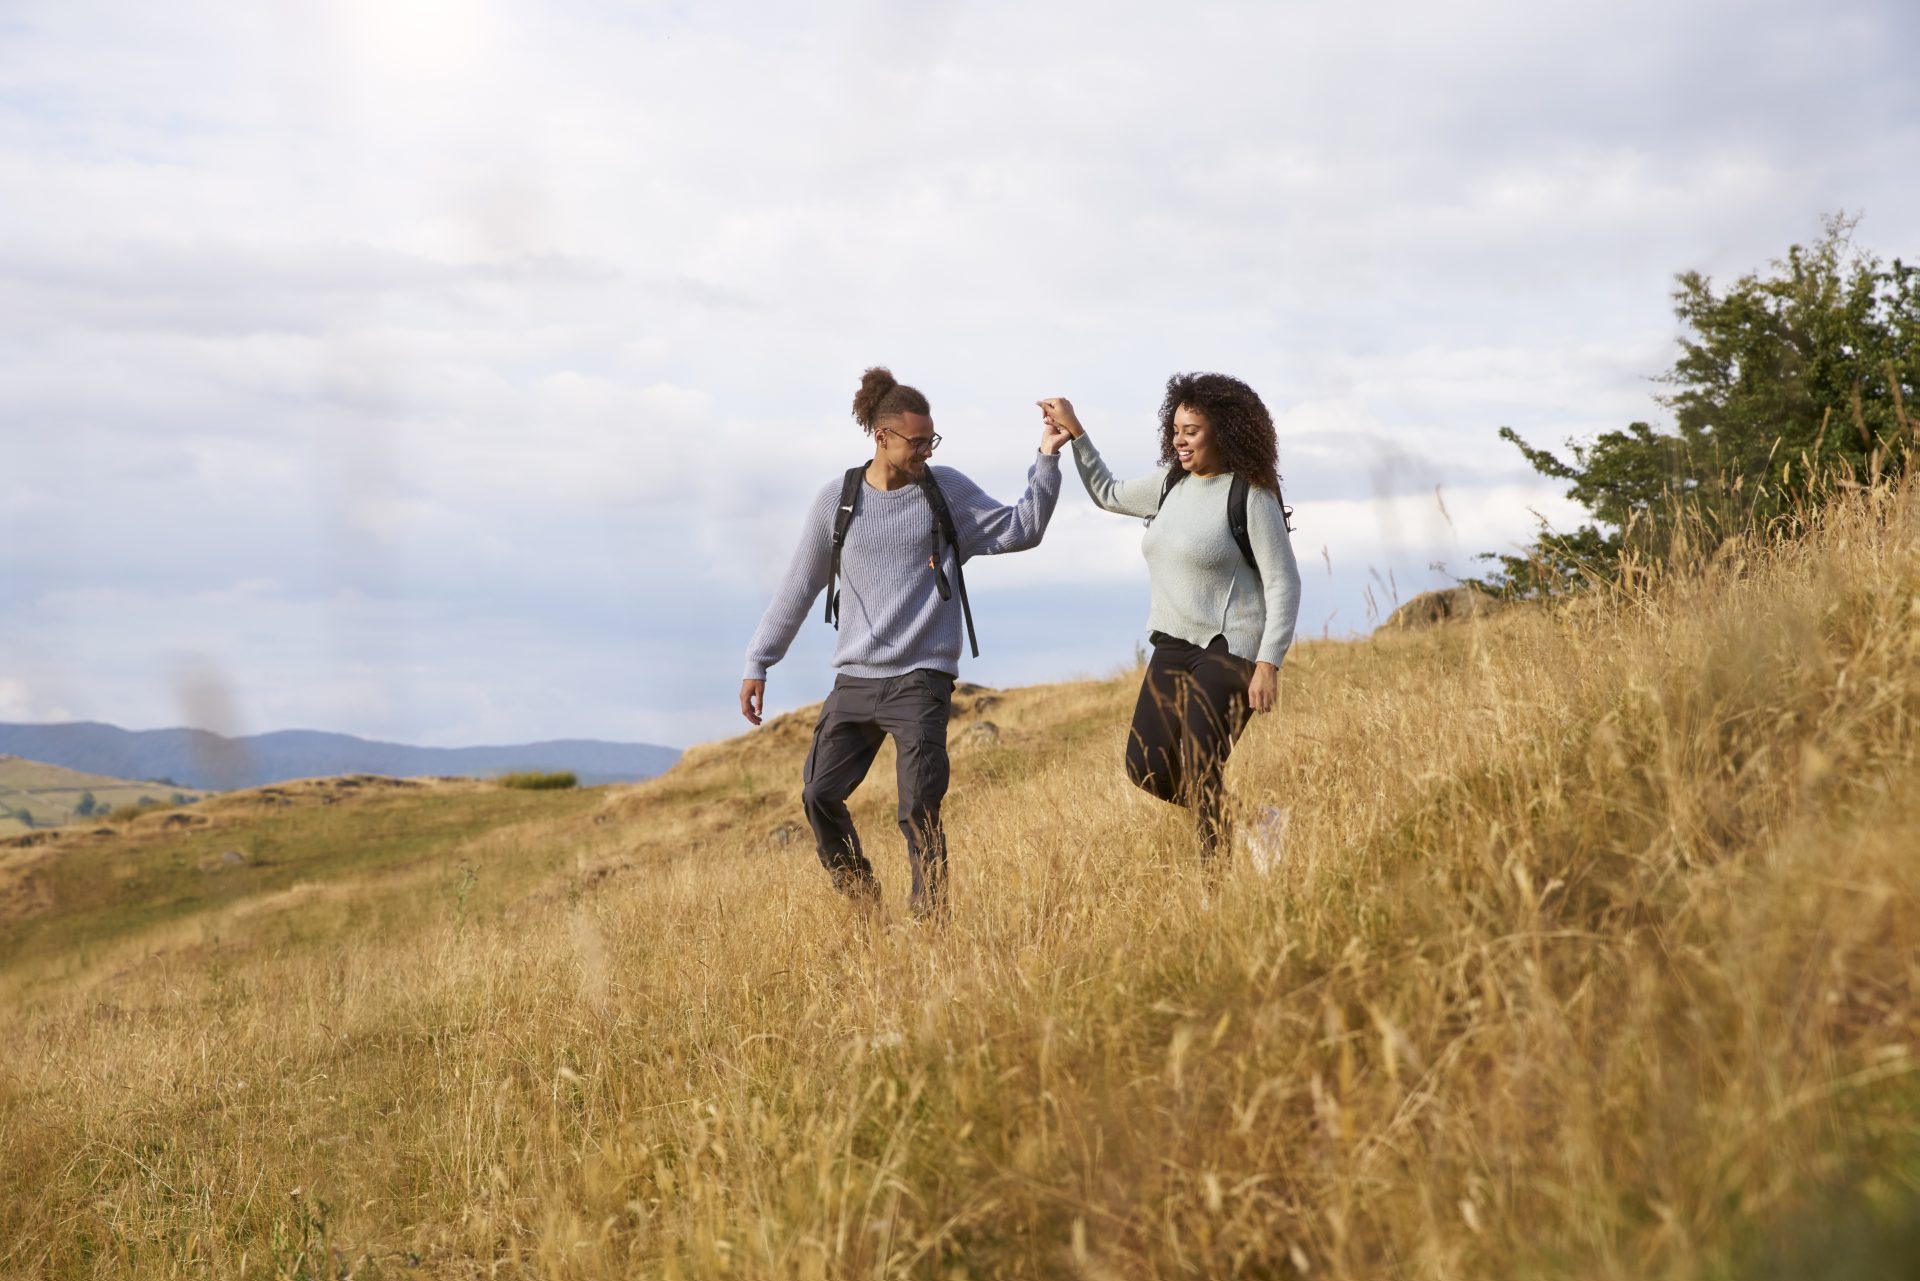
(196,758)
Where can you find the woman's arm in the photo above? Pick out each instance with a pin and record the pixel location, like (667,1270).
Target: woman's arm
(1137,497)
(1279,573)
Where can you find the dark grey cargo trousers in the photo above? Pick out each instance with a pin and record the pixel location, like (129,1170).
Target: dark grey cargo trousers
(858,715)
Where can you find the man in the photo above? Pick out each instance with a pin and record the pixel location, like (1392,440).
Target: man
(894,534)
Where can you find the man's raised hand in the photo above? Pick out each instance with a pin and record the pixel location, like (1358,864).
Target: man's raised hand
(1058,411)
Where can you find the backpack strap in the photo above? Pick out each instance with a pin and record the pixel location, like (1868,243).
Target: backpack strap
(1237,518)
(849,494)
(943,525)
(1175,475)
(1236,510)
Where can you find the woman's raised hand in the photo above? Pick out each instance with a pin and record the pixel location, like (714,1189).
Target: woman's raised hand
(1052,436)
(1058,412)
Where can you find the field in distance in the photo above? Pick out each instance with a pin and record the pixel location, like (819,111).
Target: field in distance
(37,795)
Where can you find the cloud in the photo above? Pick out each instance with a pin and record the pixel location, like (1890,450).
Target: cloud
(506,338)
(21,702)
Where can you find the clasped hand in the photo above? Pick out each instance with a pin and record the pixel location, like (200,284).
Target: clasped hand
(1057,417)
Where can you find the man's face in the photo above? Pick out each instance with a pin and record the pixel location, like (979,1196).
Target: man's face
(909,442)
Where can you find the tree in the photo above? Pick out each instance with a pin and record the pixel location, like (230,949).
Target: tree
(86,805)
(1789,379)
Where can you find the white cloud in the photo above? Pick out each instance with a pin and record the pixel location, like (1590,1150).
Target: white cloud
(550,314)
(21,702)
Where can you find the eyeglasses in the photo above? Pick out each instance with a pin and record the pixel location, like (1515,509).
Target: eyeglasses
(918,444)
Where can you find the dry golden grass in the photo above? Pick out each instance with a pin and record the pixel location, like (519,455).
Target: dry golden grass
(1592,954)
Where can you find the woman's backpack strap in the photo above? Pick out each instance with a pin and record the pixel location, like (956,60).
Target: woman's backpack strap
(1175,475)
(1237,518)
(1236,510)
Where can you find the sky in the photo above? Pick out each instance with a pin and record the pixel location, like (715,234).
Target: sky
(457,371)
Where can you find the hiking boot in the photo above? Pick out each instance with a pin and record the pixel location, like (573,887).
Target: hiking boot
(860,888)
(935,911)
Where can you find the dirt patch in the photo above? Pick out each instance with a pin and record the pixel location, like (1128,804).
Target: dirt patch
(23,893)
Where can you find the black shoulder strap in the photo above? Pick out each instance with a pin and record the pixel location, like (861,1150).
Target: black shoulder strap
(1237,518)
(943,525)
(1236,511)
(849,494)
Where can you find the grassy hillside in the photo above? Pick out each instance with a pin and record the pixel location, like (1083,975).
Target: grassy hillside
(51,793)
(1592,954)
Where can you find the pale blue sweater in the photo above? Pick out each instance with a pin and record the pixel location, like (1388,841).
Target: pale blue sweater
(892,619)
(1202,585)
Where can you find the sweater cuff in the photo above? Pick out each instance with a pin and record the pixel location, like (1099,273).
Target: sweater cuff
(755,671)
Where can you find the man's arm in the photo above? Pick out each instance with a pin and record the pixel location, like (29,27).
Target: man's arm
(805,579)
(987,527)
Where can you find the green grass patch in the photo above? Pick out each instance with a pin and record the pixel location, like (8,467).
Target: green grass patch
(534,781)
(152,876)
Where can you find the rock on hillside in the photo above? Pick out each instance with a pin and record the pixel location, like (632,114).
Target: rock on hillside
(1431,608)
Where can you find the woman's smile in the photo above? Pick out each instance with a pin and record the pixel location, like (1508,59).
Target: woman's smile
(1193,444)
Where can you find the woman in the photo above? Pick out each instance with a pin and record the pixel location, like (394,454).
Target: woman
(886,542)
(1220,625)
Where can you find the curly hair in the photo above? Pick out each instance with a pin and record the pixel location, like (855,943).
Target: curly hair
(881,396)
(1242,427)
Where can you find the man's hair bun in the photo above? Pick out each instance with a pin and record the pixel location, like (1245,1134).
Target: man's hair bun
(881,395)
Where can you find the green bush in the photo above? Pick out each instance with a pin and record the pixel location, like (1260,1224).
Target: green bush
(1794,384)
(533,781)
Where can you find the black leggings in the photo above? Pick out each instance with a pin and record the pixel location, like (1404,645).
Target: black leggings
(1192,708)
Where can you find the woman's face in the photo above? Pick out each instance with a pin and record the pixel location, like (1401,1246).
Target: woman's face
(1193,443)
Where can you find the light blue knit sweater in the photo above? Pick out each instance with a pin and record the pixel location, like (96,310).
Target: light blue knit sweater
(1202,585)
(892,619)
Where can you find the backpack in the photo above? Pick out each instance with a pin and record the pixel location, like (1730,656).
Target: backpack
(1236,510)
(942,526)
